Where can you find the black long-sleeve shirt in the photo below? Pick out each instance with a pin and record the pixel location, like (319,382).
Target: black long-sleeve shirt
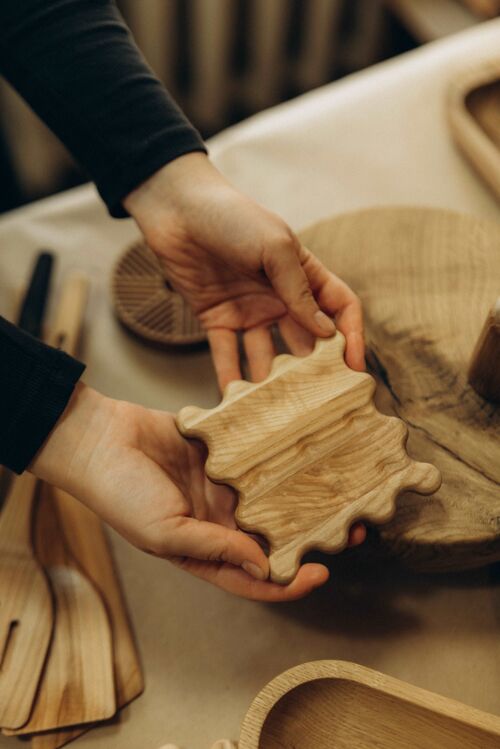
(76,63)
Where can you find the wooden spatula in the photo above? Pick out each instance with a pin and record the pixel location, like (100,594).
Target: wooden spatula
(86,538)
(26,614)
(77,685)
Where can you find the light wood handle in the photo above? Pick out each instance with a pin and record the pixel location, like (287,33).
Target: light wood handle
(65,332)
(484,370)
(15,518)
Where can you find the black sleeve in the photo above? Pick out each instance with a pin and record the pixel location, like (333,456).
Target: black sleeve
(36,383)
(76,63)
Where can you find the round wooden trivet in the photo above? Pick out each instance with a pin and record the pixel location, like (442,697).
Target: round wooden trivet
(147,306)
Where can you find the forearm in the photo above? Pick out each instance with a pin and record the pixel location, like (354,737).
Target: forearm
(77,65)
(36,383)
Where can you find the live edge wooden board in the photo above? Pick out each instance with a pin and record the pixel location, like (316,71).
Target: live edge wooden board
(427,279)
(308,453)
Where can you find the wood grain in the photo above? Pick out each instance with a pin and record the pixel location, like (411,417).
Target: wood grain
(323,704)
(484,370)
(26,611)
(77,685)
(426,278)
(308,454)
(474,117)
(86,539)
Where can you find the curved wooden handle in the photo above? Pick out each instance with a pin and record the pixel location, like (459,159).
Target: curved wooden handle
(484,370)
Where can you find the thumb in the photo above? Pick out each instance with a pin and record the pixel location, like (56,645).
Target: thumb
(199,539)
(283,268)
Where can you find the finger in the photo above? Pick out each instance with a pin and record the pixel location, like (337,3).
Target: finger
(224,347)
(283,268)
(299,341)
(235,580)
(336,298)
(260,352)
(202,540)
(357,534)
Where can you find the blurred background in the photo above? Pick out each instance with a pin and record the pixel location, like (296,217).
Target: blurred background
(224,60)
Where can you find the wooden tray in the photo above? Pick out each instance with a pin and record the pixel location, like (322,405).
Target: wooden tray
(147,306)
(427,279)
(474,115)
(340,705)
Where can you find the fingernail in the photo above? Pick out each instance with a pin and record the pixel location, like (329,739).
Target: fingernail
(254,570)
(324,322)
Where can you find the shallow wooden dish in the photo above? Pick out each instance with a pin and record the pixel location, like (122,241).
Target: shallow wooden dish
(340,705)
(147,306)
(474,115)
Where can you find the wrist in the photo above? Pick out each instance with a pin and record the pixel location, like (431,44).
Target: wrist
(163,191)
(66,453)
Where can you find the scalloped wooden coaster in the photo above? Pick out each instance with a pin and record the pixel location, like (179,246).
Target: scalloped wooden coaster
(146,305)
(308,454)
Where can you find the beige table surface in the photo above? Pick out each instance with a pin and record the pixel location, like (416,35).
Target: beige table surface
(379,137)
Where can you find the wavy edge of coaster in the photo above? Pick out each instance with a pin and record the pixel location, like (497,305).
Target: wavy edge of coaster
(132,325)
(417,476)
(471,139)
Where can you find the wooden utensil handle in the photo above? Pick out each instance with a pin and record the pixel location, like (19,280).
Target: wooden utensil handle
(65,332)
(484,371)
(15,518)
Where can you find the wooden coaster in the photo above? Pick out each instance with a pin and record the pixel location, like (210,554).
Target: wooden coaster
(308,453)
(474,115)
(146,305)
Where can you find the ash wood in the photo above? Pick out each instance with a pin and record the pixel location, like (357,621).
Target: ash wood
(77,685)
(26,612)
(426,279)
(484,371)
(474,116)
(147,306)
(308,454)
(323,704)
(86,539)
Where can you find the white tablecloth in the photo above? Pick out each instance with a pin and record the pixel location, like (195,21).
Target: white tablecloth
(378,137)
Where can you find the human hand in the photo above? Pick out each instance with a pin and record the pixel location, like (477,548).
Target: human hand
(133,468)
(241,268)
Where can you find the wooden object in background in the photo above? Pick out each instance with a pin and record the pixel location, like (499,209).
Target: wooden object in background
(426,278)
(474,116)
(86,540)
(308,453)
(327,704)
(484,8)
(146,305)
(26,612)
(77,685)
(484,371)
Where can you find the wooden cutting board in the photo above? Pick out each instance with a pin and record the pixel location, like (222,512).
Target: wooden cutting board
(308,454)
(474,116)
(427,279)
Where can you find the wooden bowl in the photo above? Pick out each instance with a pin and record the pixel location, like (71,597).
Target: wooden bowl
(340,705)
(147,306)
(474,116)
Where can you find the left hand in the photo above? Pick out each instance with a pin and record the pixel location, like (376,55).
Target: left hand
(241,268)
(131,466)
